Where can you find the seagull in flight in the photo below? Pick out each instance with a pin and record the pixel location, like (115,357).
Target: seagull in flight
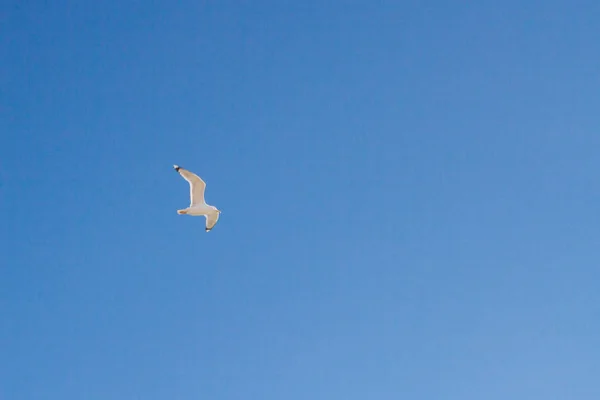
(198,206)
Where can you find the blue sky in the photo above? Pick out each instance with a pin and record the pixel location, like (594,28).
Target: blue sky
(409,193)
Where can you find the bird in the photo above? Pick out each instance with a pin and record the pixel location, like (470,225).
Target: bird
(198,206)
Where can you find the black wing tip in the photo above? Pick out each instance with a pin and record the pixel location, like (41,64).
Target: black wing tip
(208,229)
(176,167)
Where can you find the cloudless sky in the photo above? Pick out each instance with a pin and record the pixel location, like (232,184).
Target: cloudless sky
(409,191)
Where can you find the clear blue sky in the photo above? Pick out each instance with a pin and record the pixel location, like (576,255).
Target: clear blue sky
(410,196)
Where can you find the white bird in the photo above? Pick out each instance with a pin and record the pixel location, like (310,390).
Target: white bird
(198,206)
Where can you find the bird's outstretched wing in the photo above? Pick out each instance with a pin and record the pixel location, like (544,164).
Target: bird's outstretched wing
(211,220)
(197,185)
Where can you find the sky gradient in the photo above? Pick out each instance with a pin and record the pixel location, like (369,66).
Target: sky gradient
(409,193)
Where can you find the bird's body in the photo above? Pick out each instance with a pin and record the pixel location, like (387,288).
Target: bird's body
(198,206)
(197,211)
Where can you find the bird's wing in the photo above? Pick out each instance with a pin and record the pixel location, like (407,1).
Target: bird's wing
(211,220)
(197,185)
